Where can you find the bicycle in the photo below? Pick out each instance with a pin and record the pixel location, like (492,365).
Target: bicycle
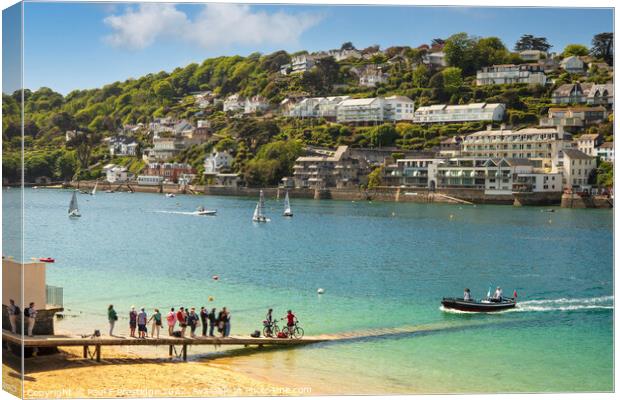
(295,331)
(271,330)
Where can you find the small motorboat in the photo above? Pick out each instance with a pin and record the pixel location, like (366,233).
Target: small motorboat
(170,195)
(548,210)
(485,305)
(47,260)
(203,211)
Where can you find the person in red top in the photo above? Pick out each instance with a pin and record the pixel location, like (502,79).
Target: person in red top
(290,321)
(181,319)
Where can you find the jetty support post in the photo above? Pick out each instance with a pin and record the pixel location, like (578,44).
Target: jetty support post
(170,350)
(184,352)
(98,352)
(85,352)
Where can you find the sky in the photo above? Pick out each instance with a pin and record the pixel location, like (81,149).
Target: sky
(71,46)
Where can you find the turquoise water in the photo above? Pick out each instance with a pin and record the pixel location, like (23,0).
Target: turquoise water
(381,265)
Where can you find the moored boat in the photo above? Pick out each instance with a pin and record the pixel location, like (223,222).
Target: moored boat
(485,305)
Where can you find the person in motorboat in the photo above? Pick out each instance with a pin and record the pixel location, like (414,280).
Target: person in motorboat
(201,209)
(467,295)
(498,295)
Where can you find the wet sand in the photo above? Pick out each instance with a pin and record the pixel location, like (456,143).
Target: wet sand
(129,374)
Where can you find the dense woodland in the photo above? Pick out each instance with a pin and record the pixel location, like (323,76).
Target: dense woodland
(265,146)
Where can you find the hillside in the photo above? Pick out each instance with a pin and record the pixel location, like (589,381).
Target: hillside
(263,145)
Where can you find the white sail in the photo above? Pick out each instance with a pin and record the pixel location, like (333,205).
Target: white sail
(73,206)
(255,216)
(258,211)
(94,189)
(287,206)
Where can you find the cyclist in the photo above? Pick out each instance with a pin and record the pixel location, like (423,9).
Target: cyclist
(269,322)
(290,322)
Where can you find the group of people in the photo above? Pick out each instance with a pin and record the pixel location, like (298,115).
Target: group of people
(498,295)
(30,314)
(185,317)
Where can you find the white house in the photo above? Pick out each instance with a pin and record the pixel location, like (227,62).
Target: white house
(377,109)
(435,59)
(577,167)
(588,143)
(150,180)
(255,104)
(372,77)
(460,113)
(340,55)
(532,74)
(122,146)
(573,65)
(606,151)
(116,174)
(217,161)
(301,63)
(532,55)
(234,103)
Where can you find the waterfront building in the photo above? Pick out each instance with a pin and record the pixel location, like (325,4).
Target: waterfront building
(338,170)
(577,168)
(584,93)
(572,65)
(541,145)
(588,143)
(227,180)
(148,180)
(442,113)
(538,182)
(217,161)
(116,174)
(606,152)
(165,148)
(169,172)
(532,74)
(234,103)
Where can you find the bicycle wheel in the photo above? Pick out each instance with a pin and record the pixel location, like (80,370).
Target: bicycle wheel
(298,332)
(267,332)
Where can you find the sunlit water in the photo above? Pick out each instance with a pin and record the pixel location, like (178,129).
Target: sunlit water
(380,264)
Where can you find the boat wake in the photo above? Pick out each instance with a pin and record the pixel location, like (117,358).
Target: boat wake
(562,304)
(178,212)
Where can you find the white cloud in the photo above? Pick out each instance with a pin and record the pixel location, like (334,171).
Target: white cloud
(217,25)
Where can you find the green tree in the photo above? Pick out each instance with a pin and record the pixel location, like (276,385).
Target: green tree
(375,178)
(164,90)
(575,50)
(460,52)
(490,51)
(383,135)
(452,80)
(420,76)
(530,42)
(66,165)
(603,47)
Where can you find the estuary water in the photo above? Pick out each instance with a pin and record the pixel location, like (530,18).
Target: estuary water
(381,265)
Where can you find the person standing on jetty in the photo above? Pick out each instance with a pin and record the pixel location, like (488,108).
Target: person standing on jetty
(14,311)
(156,318)
(181,319)
(212,321)
(31,314)
(142,323)
(112,318)
(172,321)
(133,316)
(225,322)
(204,318)
(192,321)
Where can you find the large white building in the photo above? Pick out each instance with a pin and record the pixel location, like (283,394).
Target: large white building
(542,145)
(376,109)
(234,103)
(255,104)
(532,74)
(459,113)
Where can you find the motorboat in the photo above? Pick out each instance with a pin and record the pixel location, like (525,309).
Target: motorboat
(203,211)
(47,260)
(170,195)
(484,305)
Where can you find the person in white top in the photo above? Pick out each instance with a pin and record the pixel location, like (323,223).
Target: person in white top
(13,313)
(31,314)
(498,294)
(467,295)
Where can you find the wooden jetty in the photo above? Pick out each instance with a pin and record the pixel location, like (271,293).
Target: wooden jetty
(96,343)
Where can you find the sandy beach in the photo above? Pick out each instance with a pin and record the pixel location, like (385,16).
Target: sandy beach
(125,374)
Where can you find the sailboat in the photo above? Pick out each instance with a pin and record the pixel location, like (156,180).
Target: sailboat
(94,189)
(287,206)
(258,211)
(73,207)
